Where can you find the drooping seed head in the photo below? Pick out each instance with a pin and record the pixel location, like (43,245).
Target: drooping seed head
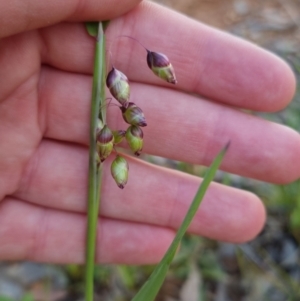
(118,136)
(105,143)
(119,171)
(161,66)
(134,137)
(133,115)
(118,85)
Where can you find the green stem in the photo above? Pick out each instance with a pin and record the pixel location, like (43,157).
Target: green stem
(98,98)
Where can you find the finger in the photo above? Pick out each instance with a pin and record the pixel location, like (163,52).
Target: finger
(21,15)
(181,127)
(57,178)
(207,61)
(47,235)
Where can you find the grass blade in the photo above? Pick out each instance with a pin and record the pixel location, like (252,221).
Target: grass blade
(150,289)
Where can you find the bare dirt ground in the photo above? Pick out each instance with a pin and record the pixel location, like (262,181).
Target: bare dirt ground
(261,21)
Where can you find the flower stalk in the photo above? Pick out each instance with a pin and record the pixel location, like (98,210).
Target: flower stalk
(103,139)
(95,170)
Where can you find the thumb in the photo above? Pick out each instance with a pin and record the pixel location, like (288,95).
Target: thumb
(22,15)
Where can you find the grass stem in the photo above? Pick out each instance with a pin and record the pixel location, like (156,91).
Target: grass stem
(98,98)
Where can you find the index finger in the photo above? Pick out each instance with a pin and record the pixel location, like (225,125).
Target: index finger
(22,15)
(207,61)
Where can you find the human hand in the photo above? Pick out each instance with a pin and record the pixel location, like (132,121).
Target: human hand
(46,76)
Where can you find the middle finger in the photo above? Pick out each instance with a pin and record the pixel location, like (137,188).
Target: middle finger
(180,126)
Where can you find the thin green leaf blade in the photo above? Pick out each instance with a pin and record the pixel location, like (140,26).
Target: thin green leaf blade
(151,287)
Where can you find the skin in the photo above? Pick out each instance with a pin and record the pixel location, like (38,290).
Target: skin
(46,63)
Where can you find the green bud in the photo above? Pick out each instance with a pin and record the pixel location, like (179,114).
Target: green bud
(119,171)
(105,143)
(118,85)
(118,136)
(99,126)
(134,136)
(133,115)
(98,161)
(161,66)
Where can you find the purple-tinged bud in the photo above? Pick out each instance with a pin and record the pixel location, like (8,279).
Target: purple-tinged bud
(118,85)
(134,137)
(119,171)
(105,143)
(161,66)
(133,115)
(118,136)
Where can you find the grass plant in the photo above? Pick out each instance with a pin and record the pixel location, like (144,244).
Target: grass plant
(150,289)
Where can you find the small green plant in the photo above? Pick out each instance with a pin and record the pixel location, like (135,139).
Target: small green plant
(26,297)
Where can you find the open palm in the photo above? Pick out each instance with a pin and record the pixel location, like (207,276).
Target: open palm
(45,84)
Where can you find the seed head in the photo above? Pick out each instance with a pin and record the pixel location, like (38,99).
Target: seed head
(133,115)
(119,171)
(161,66)
(118,136)
(134,136)
(118,85)
(105,143)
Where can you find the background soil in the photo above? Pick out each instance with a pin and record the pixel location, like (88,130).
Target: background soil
(261,21)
